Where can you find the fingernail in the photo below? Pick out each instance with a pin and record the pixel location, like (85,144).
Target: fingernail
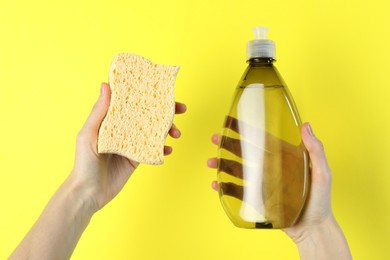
(178,133)
(310,130)
(102,89)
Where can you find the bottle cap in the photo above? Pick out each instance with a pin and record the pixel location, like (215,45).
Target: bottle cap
(260,47)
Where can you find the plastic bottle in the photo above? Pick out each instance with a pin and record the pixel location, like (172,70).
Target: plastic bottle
(263,166)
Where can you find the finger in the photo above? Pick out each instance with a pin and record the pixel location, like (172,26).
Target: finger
(232,168)
(232,189)
(216,139)
(232,123)
(99,110)
(180,108)
(212,163)
(232,145)
(174,132)
(320,167)
(214,185)
(167,150)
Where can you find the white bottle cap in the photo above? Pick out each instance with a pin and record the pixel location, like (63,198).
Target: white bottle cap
(260,47)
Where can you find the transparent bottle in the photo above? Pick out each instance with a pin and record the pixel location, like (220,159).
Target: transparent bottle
(263,166)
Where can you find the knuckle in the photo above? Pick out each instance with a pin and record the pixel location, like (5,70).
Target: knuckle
(319,147)
(82,137)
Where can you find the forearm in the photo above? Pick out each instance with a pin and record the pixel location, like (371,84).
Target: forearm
(58,229)
(325,241)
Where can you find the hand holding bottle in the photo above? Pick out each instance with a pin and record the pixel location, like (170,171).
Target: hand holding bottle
(267,174)
(317,233)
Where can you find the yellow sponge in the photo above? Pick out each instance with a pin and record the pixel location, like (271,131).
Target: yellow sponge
(141,110)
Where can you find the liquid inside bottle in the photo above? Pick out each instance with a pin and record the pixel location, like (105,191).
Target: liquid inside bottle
(263,166)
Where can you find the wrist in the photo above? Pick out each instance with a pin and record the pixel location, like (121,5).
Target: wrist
(325,240)
(80,196)
(314,230)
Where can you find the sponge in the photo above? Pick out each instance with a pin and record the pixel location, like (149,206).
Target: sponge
(141,109)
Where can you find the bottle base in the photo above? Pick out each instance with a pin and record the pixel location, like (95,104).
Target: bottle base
(263,225)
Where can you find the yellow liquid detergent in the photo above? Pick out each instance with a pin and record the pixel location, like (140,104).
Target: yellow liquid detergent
(263,166)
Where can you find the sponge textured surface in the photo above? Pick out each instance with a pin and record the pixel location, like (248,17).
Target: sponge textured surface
(141,110)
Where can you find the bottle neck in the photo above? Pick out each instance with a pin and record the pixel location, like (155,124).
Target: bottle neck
(263,61)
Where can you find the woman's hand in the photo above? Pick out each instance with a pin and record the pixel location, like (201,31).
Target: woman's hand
(102,176)
(317,233)
(94,181)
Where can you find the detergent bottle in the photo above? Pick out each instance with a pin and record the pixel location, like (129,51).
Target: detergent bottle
(263,166)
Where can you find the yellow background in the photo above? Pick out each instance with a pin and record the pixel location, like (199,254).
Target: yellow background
(334,56)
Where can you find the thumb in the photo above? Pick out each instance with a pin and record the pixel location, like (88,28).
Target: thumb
(320,167)
(99,110)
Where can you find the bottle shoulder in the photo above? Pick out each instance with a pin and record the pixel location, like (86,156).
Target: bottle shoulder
(265,73)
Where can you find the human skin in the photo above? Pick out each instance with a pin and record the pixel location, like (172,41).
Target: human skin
(93,182)
(317,233)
